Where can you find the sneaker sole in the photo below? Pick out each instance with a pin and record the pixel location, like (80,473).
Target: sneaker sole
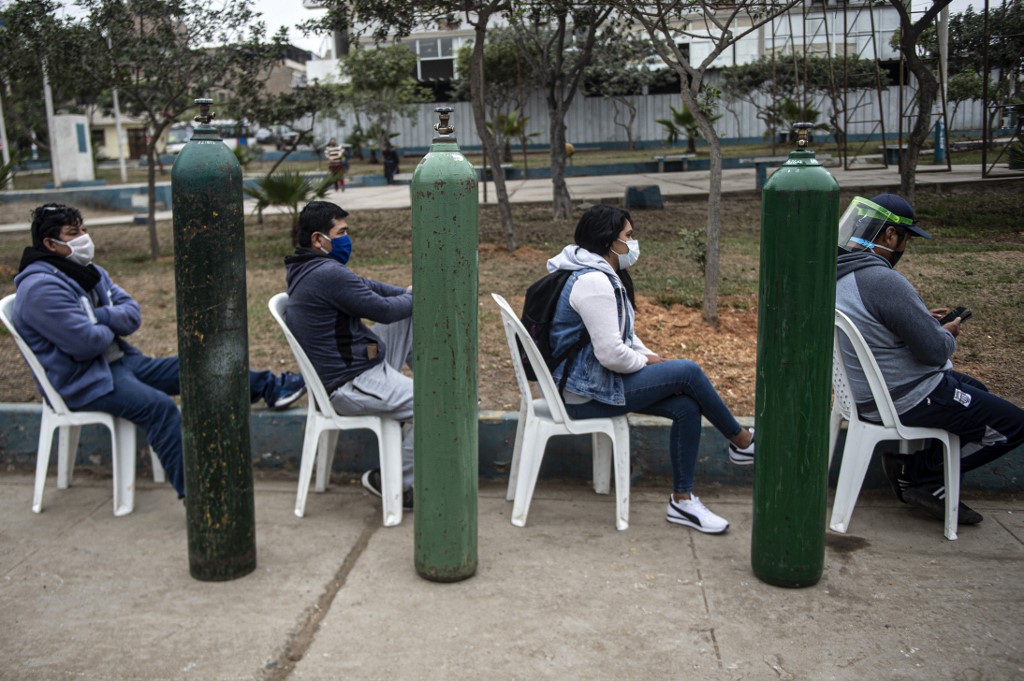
(741,459)
(368,487)
(699,528)
(288,400)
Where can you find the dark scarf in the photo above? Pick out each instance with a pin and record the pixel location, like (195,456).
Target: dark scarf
(304,254)
(87,277)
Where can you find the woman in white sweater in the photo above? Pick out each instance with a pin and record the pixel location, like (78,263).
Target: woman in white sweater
(615,373)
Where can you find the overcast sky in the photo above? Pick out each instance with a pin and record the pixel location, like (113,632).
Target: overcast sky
(287,13)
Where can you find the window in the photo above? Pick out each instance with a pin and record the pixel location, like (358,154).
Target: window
(436,59)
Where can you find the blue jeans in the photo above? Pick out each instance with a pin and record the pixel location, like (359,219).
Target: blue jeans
(679,390)
(142,389)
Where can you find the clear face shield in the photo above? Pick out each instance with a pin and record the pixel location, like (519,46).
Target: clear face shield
(862,222)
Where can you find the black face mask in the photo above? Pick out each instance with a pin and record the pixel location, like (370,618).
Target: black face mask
(896,255)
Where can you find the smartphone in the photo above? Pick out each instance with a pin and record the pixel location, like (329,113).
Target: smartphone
(962,312)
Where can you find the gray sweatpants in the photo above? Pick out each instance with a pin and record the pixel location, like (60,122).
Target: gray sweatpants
(384,390)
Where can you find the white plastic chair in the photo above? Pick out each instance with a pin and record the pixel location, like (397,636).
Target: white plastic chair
(862,436)
(323,424)
(540,419)
(57,415)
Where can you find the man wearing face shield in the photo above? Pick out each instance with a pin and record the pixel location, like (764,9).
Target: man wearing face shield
(360,366)
(913,352)
(77,320)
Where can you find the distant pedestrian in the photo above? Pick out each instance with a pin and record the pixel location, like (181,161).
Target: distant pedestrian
(336,163)
(390,163)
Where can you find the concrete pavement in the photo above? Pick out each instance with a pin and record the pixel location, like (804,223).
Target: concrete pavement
(335,594)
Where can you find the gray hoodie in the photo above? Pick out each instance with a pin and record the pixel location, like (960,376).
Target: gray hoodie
(910,346)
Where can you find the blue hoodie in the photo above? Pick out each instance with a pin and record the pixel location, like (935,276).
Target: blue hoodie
(71,331)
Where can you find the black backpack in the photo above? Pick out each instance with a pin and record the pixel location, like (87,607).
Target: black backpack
(538,311)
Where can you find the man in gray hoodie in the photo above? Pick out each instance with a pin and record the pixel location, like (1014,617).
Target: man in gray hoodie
(327,302)
(913,351)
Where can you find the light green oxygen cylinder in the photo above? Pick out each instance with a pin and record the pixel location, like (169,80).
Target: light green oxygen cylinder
(799,214)
(445,340)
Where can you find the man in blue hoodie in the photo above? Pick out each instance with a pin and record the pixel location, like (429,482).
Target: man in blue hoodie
(76,320)
(913,351)
(360,367)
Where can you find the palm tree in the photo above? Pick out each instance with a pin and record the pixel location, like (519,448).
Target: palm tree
(289,190)
(683,121)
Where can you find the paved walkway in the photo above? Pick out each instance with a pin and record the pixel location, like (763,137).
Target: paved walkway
(335,594)
(86,595)
(611,188)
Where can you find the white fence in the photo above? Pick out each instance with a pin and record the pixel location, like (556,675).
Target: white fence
(591,120)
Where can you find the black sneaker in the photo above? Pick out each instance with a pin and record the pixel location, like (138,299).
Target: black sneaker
(895,468)
(745,456)
(371,481)
(932,500)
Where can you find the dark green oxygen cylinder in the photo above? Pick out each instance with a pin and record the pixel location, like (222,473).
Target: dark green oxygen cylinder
(445,244)
(799,214)
(213,349)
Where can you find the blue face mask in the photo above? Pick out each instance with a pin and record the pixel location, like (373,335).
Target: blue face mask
(341,248)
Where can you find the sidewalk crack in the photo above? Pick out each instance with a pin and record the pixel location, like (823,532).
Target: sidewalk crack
(299,643)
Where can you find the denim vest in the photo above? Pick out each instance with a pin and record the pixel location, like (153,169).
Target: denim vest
(587,377)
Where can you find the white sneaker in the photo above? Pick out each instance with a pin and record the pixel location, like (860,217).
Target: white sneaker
(692,513)
(745,456)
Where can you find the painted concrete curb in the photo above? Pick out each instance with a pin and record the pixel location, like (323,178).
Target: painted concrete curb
(277,442)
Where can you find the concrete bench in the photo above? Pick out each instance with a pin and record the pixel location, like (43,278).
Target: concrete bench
(490,171)
(763,163)
(894,153)
(673,157)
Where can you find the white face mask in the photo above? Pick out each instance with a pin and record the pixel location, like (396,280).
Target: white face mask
(629,258)
(82,250)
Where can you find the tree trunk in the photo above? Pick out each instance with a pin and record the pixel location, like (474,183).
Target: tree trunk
(491,150)
(561,200)
(154,242)
(927,92)
(713,230)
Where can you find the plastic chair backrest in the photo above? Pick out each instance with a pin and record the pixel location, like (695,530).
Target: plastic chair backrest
(873,375)
(53,397)
(842,396)
(548,390)
(279,310)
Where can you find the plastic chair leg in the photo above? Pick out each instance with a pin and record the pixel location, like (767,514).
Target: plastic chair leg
(602,445)
(42,463)
(856,457)
(159,475)
(622,477)
(325,459)
(952,475)
(534,443)
(835,422)
(517,452)
(123,459)
(309,452)
(67,450)
(389,440)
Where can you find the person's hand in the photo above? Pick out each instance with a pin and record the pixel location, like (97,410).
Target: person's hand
(409,288)
(654,359)
(939,312)
(953,327)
